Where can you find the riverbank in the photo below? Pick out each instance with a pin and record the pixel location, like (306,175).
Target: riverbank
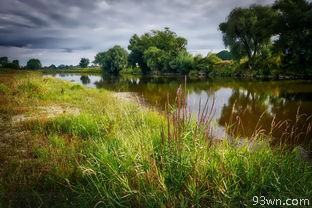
(95,70)
(66,145)
(219,72)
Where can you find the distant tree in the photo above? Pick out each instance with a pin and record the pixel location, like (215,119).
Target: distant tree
(183,62)
(294,34)
(52,66)
(33,64)
(11,66)
(225,55)
(3,60)
(84,62)
(167,41)
(61,66)
(113,60)
(16,63)
(247,31)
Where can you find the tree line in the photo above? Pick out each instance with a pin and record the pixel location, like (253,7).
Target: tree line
(262,40)
(157,52)
(34,63)
(5,63)
(31,63)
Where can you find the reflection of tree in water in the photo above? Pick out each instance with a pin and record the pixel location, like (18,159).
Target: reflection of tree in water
(154,89)
(249,106)
(295,108)
(113,82)
(85,79)
(243,111)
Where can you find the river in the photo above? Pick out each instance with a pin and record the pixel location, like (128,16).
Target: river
(244,105)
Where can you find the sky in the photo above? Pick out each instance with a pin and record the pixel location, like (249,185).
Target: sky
(63,31)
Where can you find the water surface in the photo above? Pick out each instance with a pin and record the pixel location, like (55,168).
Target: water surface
(246,105)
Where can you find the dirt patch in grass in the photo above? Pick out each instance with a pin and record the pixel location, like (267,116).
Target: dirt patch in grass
(44,112)
(127,96)
(16,143)
(131,98)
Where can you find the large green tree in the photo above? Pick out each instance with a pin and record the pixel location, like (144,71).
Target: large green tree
(84,62)
(166,41)
(33,64)
(113,60)
(248,31)
(294,32)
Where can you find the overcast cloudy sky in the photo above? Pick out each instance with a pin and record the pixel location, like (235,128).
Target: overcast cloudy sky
(63,31)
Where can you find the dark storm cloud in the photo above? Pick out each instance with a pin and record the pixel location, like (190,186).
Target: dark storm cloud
(68,50)
(67,26)
(29,42)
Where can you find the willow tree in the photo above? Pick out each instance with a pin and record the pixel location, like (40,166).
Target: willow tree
(248,31)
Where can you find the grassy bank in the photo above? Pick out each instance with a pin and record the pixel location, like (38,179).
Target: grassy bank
(64,145)
(96,70)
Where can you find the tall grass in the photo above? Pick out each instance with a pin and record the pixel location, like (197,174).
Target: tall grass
(83,126)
